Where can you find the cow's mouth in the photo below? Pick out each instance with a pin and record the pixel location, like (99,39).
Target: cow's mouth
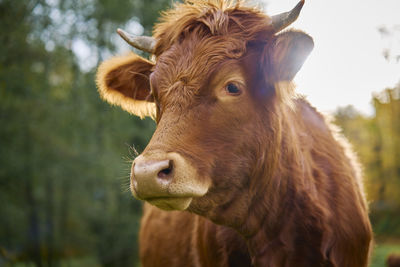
(166,180)
(166,202)
(170,203)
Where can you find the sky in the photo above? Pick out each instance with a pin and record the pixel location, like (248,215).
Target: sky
(347,64)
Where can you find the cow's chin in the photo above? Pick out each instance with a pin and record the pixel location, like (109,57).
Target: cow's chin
(167,201)
(171,203)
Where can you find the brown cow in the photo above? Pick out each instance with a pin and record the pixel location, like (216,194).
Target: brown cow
(240,171)
(393,260)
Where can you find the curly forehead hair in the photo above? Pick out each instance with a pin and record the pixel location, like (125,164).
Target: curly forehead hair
(236,19)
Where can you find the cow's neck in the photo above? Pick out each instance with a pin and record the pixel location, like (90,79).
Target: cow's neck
(283,235)
(290,233)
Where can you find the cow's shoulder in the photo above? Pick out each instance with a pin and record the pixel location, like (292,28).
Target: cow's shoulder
(310,117)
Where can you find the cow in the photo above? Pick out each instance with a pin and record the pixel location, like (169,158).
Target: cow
(241,170)
(393,260)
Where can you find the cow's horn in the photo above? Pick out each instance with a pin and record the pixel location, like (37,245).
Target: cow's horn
(281,21)
(144,43)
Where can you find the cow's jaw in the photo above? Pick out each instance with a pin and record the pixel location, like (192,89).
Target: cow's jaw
(171,203)
(166,180)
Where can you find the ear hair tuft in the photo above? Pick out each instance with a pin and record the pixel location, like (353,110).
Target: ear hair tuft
(136,107)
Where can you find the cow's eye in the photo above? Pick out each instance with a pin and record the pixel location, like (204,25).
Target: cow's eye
(232,89)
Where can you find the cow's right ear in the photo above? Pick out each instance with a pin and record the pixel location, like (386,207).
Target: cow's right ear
(124,81)
(288,52)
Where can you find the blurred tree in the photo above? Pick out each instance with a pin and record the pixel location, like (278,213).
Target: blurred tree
(61,171)
(387,120)
(391,35)
(377,142)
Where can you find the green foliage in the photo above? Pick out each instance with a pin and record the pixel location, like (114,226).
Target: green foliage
(377,141)
(63,179)
(382,251)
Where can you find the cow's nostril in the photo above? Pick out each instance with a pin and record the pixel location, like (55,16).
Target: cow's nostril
(165,173)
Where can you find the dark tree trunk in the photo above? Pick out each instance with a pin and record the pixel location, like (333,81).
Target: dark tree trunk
(50,221)
(33,224)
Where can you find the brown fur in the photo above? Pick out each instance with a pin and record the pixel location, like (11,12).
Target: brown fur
(286,188)
(132,70)
(393,260)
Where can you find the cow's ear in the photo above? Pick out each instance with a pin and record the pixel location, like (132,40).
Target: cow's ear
(124,81)
(287,54)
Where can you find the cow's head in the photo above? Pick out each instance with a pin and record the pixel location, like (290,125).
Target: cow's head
(212,91)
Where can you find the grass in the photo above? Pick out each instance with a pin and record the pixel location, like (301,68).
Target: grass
(382,249)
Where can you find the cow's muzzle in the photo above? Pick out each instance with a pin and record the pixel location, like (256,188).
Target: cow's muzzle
(166,180)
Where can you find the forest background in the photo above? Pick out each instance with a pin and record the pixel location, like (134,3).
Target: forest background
(65,154)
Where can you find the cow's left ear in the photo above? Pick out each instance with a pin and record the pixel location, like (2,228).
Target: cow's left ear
(287,54)
(124,81)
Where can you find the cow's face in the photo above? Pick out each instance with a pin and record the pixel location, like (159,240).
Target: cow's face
(210,98)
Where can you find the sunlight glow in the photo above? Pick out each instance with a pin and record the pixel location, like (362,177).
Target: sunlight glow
(347,64)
